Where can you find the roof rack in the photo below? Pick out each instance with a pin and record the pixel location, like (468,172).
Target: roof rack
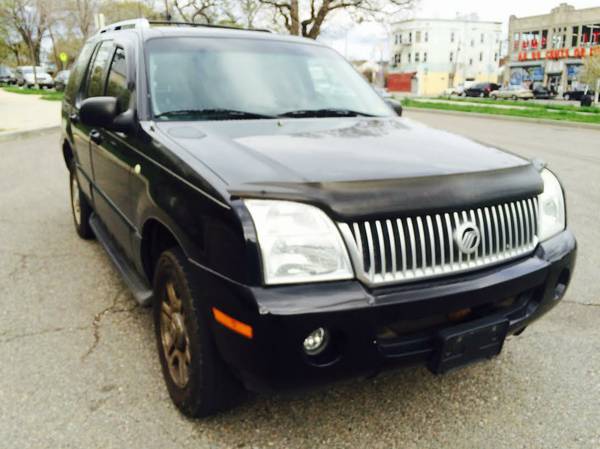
(125,25)
(145,23)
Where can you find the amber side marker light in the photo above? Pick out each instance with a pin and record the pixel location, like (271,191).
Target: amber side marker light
(231,323)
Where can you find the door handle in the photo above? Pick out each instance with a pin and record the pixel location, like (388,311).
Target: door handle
(95,136)
(74,117)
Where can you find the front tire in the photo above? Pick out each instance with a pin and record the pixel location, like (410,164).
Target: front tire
(80,207)
(198,381)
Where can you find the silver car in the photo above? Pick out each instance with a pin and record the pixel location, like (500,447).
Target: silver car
(512,92)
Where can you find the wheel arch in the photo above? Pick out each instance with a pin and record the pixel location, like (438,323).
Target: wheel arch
(156,238)
(67,152)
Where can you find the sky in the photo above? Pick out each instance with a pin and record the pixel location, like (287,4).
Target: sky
(370,40)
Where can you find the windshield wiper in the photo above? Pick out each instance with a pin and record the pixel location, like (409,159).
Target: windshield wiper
(213,113)
(325,112)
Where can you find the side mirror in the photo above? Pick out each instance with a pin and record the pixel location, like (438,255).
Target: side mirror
(98,111)
(395,105)
(104,112)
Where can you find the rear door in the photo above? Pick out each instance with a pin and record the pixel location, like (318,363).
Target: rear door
(113,158)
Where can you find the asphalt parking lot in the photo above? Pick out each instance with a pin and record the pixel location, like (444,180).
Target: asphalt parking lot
(79,369)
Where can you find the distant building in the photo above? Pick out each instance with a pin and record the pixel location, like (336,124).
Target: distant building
(550,48)
(430,55)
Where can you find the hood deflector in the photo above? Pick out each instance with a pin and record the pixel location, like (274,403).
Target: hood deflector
(406,196)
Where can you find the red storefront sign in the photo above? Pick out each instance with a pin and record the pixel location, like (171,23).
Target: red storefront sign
(560,53)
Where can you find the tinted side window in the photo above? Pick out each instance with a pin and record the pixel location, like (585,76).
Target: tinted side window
(95,86)
(117,80)
(78,71)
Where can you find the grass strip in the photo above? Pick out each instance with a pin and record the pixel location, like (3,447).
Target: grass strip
(527,104)
(536,113)
(45,94)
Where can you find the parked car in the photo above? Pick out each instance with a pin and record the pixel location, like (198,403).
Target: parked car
(481,89)
(25,77)
(543,93)
(577,94)
(512,92)
(61,79)
(286,234)
(389,99)
(6,75)
(456,90)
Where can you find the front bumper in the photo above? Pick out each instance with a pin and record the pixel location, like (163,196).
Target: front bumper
(374,329)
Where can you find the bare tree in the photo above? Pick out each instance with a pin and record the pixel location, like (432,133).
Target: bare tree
(31,20)
(206,11)
(250,10)
(307,18)
(83,11)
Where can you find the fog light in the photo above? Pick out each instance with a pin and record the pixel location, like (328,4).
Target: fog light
(316,341)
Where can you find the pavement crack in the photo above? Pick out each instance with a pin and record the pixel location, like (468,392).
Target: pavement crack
(584,304)
(21,264)
(97,322)
(54,330)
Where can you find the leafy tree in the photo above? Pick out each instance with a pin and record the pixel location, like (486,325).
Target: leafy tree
(591,73)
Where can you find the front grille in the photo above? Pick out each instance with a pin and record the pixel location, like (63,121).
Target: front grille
(418,247)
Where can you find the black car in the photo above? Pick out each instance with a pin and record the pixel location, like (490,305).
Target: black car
(542,93)
(287,227)
(577,94)
(481,89)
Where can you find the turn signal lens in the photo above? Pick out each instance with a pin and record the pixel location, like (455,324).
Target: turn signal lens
(233,324)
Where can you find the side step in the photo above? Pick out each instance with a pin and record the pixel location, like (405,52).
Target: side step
(138,286)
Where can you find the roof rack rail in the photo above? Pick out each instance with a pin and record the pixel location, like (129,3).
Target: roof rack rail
(145,23)
(125,25)
(205,25)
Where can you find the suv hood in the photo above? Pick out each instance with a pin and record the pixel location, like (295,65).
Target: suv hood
(355,166)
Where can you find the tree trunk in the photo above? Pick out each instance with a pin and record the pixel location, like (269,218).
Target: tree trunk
(294,18)
(57,60)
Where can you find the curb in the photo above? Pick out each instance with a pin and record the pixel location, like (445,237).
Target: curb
(14,135)
(539,121)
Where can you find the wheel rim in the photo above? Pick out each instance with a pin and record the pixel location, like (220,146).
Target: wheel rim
(174,336)
(75,200)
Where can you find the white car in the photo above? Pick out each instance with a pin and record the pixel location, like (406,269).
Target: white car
(25,77)
(456,90)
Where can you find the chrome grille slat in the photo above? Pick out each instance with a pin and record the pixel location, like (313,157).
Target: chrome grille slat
(438,221)
(402,244)
(417,247)
(392,239)
(413,247)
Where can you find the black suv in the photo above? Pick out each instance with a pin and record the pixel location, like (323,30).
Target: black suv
(286,225)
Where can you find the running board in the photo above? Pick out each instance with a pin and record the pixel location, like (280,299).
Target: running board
(138,286)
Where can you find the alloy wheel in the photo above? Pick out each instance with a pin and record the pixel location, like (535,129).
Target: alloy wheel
(174,336)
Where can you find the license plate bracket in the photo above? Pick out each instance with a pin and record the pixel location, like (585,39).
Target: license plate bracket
(468,343)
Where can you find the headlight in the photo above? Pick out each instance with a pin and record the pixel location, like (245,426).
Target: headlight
(298,243)
(552,207)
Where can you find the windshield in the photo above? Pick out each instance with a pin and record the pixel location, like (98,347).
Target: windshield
(195,78)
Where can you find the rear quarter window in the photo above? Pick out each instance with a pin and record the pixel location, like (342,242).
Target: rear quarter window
(78,72)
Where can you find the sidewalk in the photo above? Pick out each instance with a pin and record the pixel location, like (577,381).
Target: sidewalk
(26,112)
